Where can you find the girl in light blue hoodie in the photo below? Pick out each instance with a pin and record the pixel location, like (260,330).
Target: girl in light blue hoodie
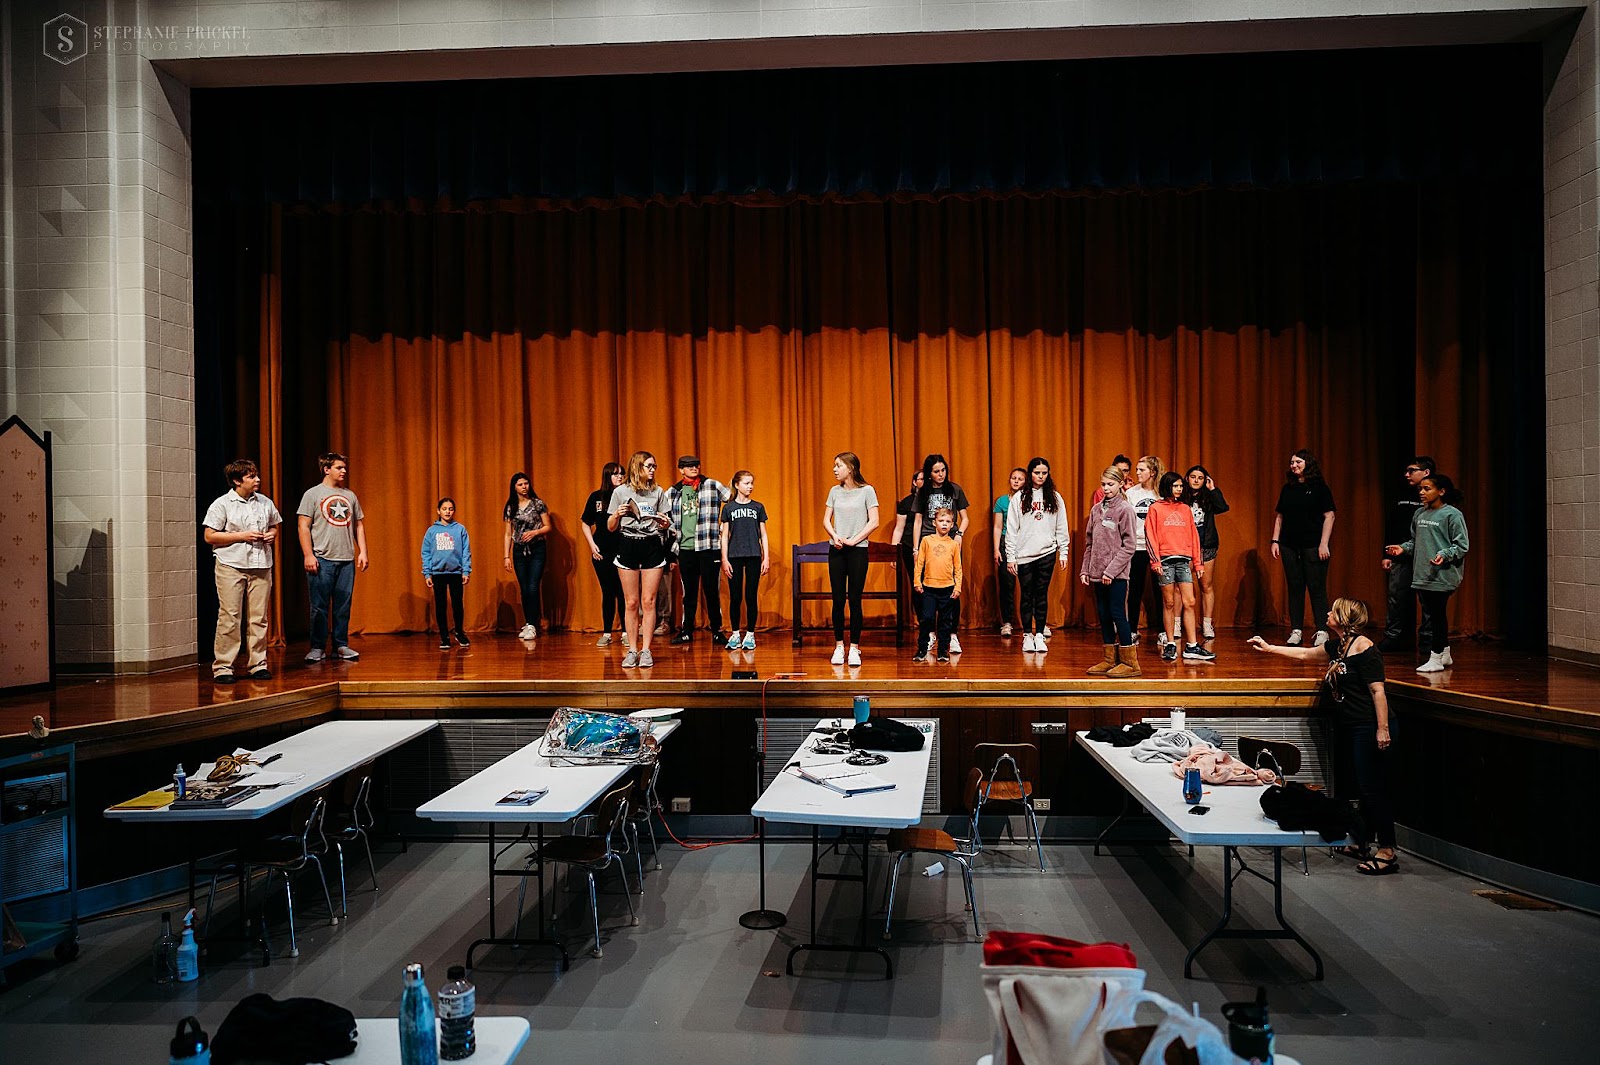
(446,568)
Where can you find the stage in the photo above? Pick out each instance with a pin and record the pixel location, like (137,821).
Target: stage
(501,676)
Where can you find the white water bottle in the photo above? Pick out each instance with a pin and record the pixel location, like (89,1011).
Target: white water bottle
(188,952)
(180,782)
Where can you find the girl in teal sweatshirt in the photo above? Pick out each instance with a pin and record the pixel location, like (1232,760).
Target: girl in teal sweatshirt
(1438,546)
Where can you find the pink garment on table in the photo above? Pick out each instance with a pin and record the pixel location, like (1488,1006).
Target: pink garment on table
(1220,767)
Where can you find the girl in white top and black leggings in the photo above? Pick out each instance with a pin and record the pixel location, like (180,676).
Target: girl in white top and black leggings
(850,517)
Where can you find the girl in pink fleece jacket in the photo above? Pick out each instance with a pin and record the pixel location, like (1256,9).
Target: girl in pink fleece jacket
(1174,547)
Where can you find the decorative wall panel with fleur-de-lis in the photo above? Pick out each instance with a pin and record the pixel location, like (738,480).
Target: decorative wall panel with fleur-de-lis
(24,567)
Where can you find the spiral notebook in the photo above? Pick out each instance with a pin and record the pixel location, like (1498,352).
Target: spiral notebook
(844,779)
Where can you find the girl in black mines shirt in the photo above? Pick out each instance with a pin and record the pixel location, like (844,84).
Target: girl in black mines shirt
(1302,532)
(1361,722)
(1205,499)
(603,547)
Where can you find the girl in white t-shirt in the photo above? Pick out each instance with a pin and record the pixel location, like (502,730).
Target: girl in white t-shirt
(1147,471)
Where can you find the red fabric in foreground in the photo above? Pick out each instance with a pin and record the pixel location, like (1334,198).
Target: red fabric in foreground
(1054,952)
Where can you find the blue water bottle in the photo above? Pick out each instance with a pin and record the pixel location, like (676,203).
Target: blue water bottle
(1191,786)
(419,1036)
(190,1046)
(863,709)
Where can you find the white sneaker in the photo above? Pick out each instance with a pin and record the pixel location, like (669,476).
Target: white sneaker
(1046,633)
(1177,632)
(955,644)
(1005,630)
(1161,639)
(854,657)
(735,641)
(1319,639)
(1296,638)
(1444,656)
(1040,646)
(604,640)
(1028,644)
(646,659)
(838,656)
(1205,627)
(527,632)
(1434,664)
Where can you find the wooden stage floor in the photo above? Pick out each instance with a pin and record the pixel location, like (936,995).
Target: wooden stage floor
(501,673)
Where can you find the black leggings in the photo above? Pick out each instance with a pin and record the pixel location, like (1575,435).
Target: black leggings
(447,585)
(1435,629)
(1305,571)
(1034,577)
(1008,586)
(1138,572)
(610,590)
(1370,767)
(743,584)
(847,578)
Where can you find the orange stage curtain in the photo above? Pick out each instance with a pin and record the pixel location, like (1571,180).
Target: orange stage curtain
(445,350)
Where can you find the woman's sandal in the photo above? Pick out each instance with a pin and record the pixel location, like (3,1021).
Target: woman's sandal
(1376,866)
(1360,854)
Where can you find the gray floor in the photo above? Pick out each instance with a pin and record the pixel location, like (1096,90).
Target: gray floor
(1418,968)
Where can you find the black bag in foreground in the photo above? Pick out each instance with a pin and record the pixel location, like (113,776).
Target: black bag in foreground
(296,1031)
(886,734)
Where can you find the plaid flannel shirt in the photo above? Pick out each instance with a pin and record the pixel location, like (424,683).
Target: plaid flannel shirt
(707,515)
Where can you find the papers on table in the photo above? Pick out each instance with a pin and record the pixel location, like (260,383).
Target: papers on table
(253,775)
(842,778)
(150,800)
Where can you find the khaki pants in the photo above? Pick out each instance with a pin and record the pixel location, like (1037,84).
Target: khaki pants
(248,591)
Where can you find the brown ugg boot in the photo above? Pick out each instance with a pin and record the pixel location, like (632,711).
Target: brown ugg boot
(1107,665)
(1128,664)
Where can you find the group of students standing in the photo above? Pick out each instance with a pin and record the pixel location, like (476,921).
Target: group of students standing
(1143,521)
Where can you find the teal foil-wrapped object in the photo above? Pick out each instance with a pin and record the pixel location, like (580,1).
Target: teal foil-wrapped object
(581,735)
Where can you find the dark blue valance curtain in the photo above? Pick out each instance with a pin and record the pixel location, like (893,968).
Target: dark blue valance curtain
(1251,121)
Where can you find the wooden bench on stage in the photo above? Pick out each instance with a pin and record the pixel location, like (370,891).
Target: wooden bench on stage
(876,553)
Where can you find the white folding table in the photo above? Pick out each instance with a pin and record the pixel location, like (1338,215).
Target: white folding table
(322,754)
(792,799)
(572,789)
(498,1040)
(1234,819)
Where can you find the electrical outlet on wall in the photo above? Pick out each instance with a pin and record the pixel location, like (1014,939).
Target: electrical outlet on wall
(1042,805)
(680,806)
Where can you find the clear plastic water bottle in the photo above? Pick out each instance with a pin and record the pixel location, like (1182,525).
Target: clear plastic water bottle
(457,1006)
(164,954)
(419,1036)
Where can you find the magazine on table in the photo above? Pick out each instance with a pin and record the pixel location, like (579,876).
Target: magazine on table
(522,797)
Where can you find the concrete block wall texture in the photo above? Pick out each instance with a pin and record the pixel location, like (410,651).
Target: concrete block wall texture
(98,332)
(96,308)
(1572,343)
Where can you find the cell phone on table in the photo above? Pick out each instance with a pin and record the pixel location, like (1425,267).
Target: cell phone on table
(1200,810)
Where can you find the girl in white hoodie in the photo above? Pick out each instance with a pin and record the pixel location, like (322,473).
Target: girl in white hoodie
(1037,540)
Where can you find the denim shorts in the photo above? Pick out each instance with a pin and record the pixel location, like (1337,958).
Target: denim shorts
(1175,570)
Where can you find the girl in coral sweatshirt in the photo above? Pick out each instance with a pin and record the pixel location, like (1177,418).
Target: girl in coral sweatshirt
(1174,547)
